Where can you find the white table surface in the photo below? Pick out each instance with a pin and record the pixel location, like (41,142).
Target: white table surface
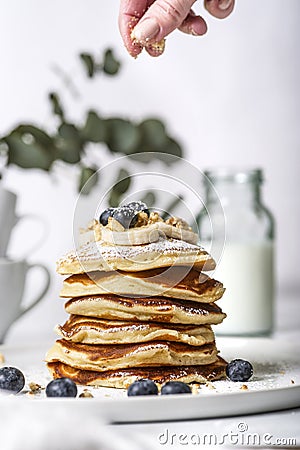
(281,425)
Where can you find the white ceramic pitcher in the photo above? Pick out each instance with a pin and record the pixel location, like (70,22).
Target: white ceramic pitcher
(9,218)
(13,276)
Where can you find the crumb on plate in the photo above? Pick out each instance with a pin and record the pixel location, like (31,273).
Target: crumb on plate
(210,385)
(86,394)
(34,387)
(195,388)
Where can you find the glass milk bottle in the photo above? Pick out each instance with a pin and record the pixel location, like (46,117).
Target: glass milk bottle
(245,257)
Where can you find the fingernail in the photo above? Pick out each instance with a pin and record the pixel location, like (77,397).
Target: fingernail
(198,28)
(156,48)
(145,30)
(224,4)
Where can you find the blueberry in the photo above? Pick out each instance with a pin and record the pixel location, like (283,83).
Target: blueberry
(239,370)
(126,216)
(11,379)
(175,387)
(61,387)
(139,207)
(105,215)
(142,387)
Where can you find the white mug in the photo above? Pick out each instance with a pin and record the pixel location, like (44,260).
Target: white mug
(8,219)
(12,283)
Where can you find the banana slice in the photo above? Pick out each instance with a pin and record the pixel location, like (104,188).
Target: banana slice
(147,234)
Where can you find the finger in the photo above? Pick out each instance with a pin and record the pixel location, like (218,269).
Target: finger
(160,19)
(193,24)
(156,48)
(129,14)
(219,8)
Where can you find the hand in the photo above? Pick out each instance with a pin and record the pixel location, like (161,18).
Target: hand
(144,23)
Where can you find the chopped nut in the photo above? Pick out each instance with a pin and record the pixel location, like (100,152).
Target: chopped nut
(34,388)
(178,223)
(86,394)
(141,220)
(244,387)
(2,359)
(30,394)
(154,218)
(157,47)
(210,385)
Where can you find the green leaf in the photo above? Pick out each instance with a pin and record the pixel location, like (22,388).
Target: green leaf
(171,147)
(95,128)
(154,143)
(123,182)
(88,179)
(57,108)
(89,64)
(121,185)
(30,147)
(33,133)
(123,136)
(69,143)
(69,131)
(114,199)
(149,198)
(153,134)
(111,65)
(144,156)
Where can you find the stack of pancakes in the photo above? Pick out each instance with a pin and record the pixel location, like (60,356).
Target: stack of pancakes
(138,311)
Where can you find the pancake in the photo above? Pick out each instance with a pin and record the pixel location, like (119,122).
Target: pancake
(87,330)
(122,378)
(107,257)
(175,282)
(155,309)
(112,357)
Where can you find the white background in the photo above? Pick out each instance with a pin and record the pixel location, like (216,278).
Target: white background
(231,98)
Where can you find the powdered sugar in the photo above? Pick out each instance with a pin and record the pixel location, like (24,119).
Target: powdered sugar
(95,250)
